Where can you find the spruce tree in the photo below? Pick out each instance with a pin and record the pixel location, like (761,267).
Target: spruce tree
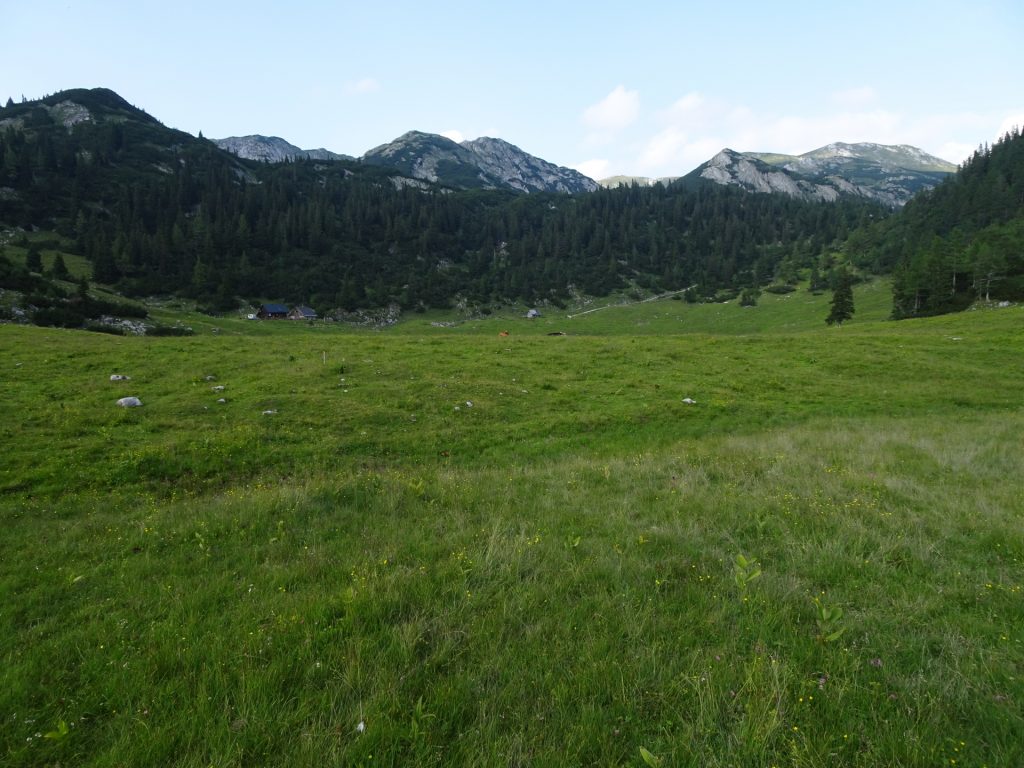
(842,299)
(33,261)
(59,269)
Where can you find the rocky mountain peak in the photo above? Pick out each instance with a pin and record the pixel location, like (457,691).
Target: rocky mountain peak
(521,170)
(272,149)
(887,174)
(485,163)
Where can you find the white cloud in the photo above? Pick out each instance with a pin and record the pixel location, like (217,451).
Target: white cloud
(664,148)
(686,107)
(691,130)
(366,85)
(1009,123)
(694,127)
(596,169)
(956,152)
(608,117)
(455,135)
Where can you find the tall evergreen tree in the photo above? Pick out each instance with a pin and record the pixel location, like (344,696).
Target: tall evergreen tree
(842,299)
(60,269)
(33,261)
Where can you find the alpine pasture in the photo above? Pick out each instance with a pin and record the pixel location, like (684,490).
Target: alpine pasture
(444,546)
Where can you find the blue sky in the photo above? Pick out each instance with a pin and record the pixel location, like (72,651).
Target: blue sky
(648,88)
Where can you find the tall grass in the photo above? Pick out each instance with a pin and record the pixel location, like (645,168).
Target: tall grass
(543,578)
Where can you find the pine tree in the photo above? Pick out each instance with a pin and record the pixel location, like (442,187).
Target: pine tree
(33,261)
(842,299)
(60,269)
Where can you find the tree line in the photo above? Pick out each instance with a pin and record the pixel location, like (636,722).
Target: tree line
(959,242)
(159,211)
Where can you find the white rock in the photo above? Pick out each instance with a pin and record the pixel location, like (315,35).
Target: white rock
(218,388)
(221,400)
(689,401)
(269,413)
(119,377)
(129,402)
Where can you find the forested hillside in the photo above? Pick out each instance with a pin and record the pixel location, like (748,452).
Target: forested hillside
(962,241)
(159,211)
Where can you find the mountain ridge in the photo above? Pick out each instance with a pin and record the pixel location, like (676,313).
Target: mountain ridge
(273,149)
(888,174)
(482,163)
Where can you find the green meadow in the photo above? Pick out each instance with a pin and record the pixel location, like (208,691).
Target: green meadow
(433,546)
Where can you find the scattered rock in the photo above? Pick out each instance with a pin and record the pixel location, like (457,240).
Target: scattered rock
(371,318)
(119,377)
(131,327)
(209,377)
(1004,304)
(129,402)
(269,413)
(218,388)
(689,401)
(221,400)
(469,403)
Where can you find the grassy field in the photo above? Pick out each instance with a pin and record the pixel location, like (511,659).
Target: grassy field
(441,546)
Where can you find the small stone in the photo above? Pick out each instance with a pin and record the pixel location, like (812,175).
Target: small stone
(469,403)
(218,388)
(119,377)
(129,402)
(689,401)
(221,400)
(269,413)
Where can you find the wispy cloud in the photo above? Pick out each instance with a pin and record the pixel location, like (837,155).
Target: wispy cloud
(596,169)
(608,117)
(366,85)
(1010,122)
(454,134)
(693,128)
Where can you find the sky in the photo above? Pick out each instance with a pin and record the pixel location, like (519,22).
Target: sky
(636,88)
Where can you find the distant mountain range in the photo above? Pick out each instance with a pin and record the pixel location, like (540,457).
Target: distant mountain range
(154,209)
(890,175)
(272,149)
(482,163)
